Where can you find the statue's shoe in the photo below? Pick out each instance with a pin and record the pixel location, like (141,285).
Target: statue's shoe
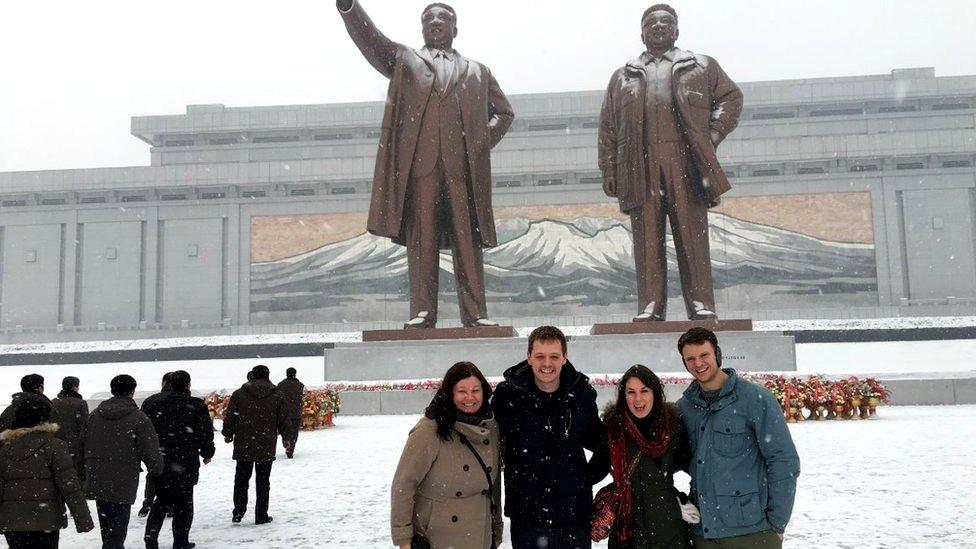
(422,320)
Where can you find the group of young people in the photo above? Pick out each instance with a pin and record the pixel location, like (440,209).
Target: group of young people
(532,430)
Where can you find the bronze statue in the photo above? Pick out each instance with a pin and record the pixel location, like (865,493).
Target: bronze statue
(432,184)
(663,115)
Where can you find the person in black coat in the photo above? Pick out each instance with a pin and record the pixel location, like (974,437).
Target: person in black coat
(149,492)
(186,434)
(293,390)
(31,388)
(547,414)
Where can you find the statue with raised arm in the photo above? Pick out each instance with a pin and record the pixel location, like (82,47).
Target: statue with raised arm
(432,184)
(663,115)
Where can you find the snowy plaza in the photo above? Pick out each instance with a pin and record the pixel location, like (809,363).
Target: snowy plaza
(902,481)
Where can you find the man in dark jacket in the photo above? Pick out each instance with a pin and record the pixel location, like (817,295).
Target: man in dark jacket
(37,479)
(293,390)
(547,414)
(149,492)
(31,388)
(255,417)
(186,434)
(72,413)
(663,115)
(120,438)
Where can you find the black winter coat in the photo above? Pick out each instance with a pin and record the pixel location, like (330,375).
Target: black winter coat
(547,479)
(120,439)
(7,417)
(293,390)
(72,413)
(255,417)
(185,432)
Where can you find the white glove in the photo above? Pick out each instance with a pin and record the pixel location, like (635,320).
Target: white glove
(689,512)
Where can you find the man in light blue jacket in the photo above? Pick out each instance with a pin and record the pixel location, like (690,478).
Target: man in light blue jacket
(744,470)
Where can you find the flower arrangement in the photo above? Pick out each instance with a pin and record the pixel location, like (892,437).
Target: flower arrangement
(319,407)
(822,398)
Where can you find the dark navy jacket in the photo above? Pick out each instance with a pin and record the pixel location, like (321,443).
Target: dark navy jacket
(547,479)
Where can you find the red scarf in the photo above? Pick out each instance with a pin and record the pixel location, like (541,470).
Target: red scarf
(621,430)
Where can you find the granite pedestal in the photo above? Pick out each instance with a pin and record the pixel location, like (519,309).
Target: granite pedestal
(607,354)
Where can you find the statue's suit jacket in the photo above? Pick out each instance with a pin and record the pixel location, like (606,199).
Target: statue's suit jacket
(706,100)
(485,113)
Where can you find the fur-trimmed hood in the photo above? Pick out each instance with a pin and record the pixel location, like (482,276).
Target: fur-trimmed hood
(25,442)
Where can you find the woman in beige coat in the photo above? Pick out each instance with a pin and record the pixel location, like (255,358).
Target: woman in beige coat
(440,491)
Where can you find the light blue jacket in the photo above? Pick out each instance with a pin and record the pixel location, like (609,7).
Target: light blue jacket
(744,469)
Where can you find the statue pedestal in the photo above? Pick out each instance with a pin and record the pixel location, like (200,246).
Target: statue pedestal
(592,354)
(671,326)
(424,334)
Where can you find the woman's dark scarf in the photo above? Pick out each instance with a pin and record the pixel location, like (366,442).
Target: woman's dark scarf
(621,429)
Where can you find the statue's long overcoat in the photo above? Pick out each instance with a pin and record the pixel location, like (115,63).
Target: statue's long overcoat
(485,113)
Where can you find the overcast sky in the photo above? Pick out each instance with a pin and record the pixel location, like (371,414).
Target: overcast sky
(74,72)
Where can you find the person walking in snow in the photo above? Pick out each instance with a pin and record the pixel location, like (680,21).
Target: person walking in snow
(186,435)
(37,479)
(293,390)
(72,411)
(547,415)
(744,466)
(255,417)
(149,491)
(445,489)
(120,439)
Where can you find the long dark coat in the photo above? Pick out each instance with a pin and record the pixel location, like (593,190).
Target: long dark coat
(485,115)
(37,478)
(185,432)
(293,390)
(72,413)
(255,417)
(706,100)
(547,479)
(120,439)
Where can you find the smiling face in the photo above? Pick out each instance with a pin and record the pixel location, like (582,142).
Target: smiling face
(547,359)
(640,398)
(439,27)
(468,395)
(659,30)
(700,361)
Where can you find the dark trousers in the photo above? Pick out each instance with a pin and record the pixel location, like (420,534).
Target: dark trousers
(532,536)
(113,521)
(262,485)
(33,540)
(760,540)
(294,426)
(439,204)
(676,201)
(174,493)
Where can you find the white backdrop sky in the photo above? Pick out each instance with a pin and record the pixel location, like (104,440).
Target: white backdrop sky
(74,72)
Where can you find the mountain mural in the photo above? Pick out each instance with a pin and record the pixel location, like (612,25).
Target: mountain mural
(589,258)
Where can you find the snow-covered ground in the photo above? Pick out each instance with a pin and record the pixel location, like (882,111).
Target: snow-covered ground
(904,480)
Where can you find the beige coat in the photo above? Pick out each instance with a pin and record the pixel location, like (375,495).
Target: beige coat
(440,490)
